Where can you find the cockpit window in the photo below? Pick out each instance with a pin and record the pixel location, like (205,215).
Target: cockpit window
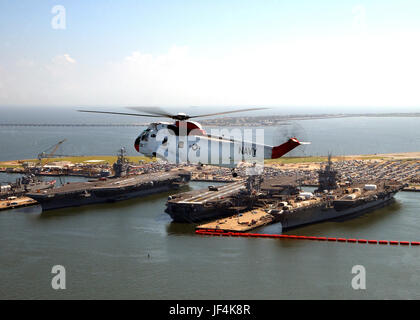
(144,135)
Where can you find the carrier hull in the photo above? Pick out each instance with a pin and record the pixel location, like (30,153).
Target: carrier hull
(190,214)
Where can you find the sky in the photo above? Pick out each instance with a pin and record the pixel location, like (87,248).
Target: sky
(316,55)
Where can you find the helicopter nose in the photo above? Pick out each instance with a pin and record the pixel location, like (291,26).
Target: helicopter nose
(137,144)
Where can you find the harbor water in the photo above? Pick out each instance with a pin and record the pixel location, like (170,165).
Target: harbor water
(132,250)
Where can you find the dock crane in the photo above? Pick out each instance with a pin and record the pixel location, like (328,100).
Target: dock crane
(53,148)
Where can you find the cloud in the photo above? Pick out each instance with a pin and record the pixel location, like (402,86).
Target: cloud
(63,59)
(362,70)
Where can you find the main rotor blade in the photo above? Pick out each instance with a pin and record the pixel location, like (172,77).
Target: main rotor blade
(153,110)
(156,112)
(226,112)
(122,113)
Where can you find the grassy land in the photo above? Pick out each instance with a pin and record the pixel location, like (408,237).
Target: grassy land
(108,159)
(136,159)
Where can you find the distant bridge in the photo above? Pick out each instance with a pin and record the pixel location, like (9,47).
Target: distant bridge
(72,125)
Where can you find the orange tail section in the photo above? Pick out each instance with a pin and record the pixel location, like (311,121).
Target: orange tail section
(284,148)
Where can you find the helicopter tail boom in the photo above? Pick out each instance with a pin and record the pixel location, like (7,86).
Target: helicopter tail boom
(284,148)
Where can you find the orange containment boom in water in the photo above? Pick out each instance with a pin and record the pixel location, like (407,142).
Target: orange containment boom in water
(219,232)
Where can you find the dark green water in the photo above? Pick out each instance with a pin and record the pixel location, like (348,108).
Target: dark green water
(132,250)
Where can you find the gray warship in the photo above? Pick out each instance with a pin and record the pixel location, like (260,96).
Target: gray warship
(338,201)
(121,186)
(26,184)
(285,200)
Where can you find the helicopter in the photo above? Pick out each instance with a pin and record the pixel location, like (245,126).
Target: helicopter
(186,141)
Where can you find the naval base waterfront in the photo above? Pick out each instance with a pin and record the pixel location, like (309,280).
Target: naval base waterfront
(133,248)
(258,201)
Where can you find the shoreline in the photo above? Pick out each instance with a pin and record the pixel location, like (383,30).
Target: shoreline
(283,160)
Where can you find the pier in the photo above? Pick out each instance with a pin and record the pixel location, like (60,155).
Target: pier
(412,189)
(241,222)
(13,203)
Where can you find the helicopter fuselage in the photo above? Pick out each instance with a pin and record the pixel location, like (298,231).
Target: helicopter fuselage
(187,141)
(157,133)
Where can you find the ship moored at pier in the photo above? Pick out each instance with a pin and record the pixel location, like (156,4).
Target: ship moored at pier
(281,200)
(110,189)
(27,183)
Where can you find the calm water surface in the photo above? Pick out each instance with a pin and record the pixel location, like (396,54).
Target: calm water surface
(132,249)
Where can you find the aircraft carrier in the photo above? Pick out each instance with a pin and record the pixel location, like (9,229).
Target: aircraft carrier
(225,200)
(343,204)
(199,205)
(109,189)
(282,201)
